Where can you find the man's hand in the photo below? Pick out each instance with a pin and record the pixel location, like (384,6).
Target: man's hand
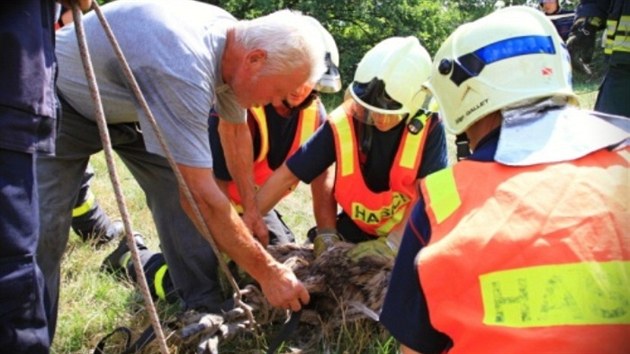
(255,223)
(325,240)
(380,247)
(581,42)
(283,289)
(84,5)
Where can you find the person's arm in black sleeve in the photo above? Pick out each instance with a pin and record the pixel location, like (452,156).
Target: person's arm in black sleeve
(435,153)
(405,313)
(314,156)
(590,17)
(592,8)
(307,163)
(219,165)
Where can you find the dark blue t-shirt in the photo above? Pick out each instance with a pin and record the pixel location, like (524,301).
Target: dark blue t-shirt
(318,153)
(282,132)
(563,20)
(405,312)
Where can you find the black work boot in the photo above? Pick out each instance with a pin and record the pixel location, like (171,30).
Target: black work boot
(115,230)
(117,261)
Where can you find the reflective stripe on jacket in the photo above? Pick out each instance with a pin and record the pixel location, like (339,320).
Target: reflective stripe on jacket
(618,35)
(308,122)
(617,15)
(530,259)
(375,213)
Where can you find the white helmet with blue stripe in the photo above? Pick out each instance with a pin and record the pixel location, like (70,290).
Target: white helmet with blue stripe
(512,55)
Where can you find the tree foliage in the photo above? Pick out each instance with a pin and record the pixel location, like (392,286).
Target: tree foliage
(357,25)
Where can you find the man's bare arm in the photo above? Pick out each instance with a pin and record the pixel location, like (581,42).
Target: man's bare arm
(278,282)
(275,188)
(237,144)
(324,203)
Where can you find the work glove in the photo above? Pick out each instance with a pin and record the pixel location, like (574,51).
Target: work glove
(581,42)
(380,247)
(325,240)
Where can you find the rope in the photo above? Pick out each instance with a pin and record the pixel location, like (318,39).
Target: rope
(113,175)
(171,160)
(180,179)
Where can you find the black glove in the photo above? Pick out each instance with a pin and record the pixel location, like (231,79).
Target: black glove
(581,41)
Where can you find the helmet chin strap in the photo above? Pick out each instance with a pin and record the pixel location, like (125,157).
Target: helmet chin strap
(304,104)
(365,132)
(463,149)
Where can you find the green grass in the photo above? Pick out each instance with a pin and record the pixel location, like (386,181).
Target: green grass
(92,304)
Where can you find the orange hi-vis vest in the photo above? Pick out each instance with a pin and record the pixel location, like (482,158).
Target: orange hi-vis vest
(530,259)
(308,122)
(375,213)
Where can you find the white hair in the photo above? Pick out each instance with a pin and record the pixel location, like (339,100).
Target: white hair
(287,40)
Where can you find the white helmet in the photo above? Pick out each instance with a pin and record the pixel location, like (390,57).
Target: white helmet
(330,82)
(389,78)
(509,56)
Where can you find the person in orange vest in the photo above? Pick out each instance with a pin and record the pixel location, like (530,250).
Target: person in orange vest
(276,131)
(381,141)
(525,245)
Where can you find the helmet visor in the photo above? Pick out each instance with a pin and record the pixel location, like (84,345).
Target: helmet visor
(383,121)
(373,95)
(330,82)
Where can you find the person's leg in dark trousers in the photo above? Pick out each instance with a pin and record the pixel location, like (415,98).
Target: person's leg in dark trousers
(89,219)
(23,323)
(59,178)
(613,92)
(192,264)
(279,232)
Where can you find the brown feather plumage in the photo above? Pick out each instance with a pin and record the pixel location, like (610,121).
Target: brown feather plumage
(337,285)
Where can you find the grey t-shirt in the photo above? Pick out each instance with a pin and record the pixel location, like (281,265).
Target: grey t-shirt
(174,49)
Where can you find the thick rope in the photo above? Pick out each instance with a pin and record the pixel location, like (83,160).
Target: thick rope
(180,179)
(113,175)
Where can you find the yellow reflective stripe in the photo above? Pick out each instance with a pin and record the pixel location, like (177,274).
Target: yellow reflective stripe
(386,228)
(259,115)
(347,144)
(617,35)
(124,260)
(611,26)
(86,206)
(588,293)
(308,123)
(412,143)
(159,282)
(443,195)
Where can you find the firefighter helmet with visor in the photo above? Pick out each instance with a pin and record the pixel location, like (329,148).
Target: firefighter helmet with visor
(388,82)
(504,59)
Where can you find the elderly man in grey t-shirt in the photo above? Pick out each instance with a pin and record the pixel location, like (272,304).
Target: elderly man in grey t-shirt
(186,56)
